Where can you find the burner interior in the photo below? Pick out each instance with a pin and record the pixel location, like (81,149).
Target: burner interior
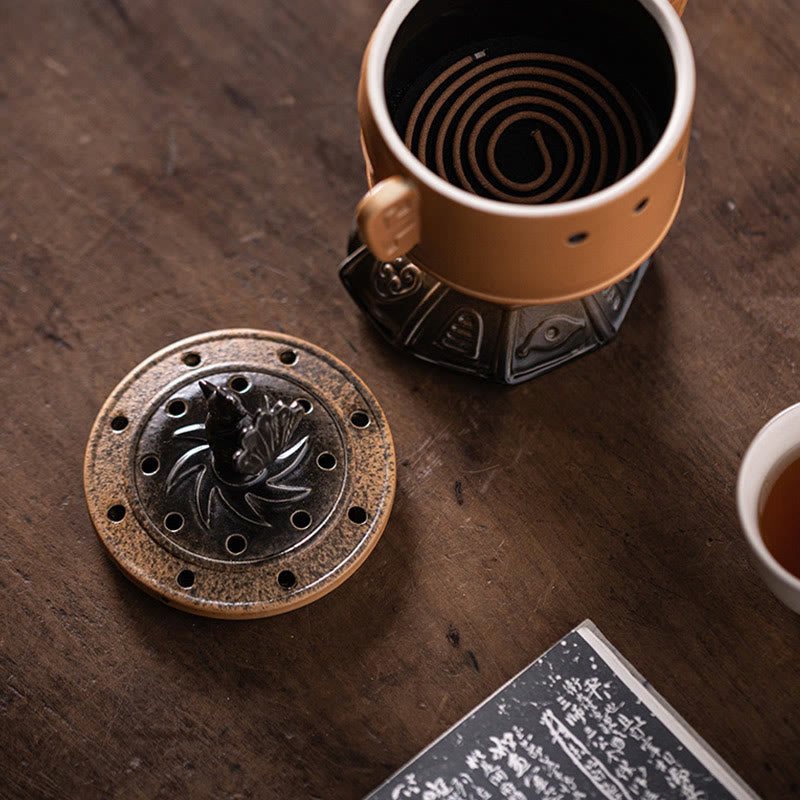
(530,102)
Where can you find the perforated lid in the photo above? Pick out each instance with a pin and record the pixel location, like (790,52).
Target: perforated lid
(240,473)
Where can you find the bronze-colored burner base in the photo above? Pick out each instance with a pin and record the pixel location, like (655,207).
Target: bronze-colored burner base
(240,473)
(508,344)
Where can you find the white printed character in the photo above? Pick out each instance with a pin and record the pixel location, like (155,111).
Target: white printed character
(592,687)
(503,746)
(475,759)
(518,764)
(497,777)
(408,788)
(436,790)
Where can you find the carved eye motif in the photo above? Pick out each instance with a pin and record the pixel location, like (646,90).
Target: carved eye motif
(551,334)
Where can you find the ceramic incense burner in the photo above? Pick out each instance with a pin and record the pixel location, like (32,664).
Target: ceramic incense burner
(518,154)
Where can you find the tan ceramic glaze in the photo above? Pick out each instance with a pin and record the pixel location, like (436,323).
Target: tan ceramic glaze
(513,253)
(224,585)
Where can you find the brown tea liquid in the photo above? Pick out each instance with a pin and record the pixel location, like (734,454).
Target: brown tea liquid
(779,521)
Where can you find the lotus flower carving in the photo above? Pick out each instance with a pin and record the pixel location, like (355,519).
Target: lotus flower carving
(241,460)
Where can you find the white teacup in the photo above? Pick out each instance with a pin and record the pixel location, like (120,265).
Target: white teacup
(775,446)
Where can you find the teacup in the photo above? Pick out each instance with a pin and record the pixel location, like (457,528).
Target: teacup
(524,152)
(774,447)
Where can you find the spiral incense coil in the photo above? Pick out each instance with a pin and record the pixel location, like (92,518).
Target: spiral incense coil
(525,128)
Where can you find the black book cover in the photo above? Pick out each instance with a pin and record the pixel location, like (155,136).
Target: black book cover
(579,723)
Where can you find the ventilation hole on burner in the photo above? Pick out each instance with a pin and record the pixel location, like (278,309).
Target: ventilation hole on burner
(150,465)
(357,514)
(173,521)
(191,359)
(239,384)
(306,405)
(326,461)
(301,520)
(185,579)
(287,579)
(359,419)
(176,408)
(236,544)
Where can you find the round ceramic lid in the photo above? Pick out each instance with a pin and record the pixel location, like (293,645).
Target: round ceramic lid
(240,473)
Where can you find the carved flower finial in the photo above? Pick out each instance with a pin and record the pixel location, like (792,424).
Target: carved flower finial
(267,435)
(242,457)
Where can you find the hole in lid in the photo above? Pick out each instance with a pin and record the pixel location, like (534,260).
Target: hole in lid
(176,408)
(577,238)
(301,520)
(191,359)
(641,205)
(116,513)
(119,423)
(326,461)
(357,514)
(305,404)
(150,465)
(239,384)
(287,356)
(173,521)
(287,579)
(236,544)
(359,419)
(185,579)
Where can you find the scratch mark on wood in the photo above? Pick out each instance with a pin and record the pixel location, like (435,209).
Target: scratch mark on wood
(275,271)
(484,469)
(459,493)
(374,736)
(172,152)
(473,662)
(238,99)
(251,237)
(56,66)
(16,691)
(542,599)
(352,346)
(53,337)
(122,12)
(427,444)
(453,636)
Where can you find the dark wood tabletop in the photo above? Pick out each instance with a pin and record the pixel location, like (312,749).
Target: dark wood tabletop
(171,168)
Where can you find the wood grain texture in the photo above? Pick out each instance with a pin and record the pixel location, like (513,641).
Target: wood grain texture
(169,168)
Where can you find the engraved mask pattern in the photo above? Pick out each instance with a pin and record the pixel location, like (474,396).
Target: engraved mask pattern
(395,279)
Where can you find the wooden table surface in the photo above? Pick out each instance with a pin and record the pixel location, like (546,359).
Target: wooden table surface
(170,168)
